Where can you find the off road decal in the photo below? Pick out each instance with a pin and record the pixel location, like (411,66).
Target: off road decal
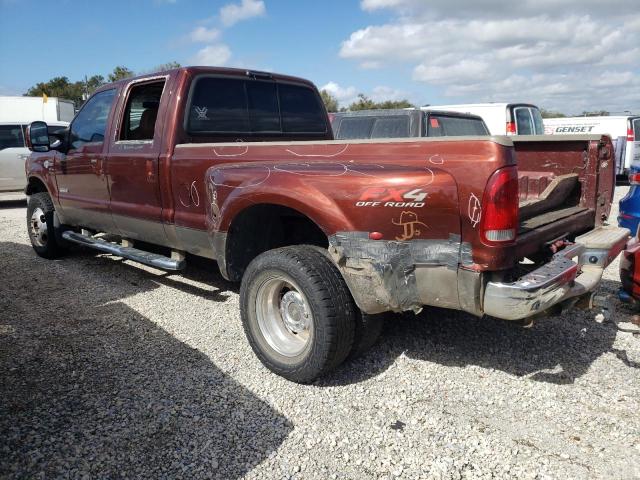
(392,197)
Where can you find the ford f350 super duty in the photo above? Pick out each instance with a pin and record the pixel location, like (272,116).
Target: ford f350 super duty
(241,167)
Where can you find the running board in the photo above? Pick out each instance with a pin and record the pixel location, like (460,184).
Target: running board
(140,256)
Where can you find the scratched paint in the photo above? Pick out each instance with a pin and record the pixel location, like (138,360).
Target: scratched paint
(474,210)
(189,195)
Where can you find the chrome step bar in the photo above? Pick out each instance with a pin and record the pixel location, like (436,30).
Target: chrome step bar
(140,256)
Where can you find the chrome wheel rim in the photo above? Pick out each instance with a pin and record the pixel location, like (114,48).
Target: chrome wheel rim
(38,228)
(284,317)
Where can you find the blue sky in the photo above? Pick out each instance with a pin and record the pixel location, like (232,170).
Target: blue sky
(293,37)
(568,55)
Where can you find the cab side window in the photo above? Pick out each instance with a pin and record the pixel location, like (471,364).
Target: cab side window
(141,112)
(11,136)
(91,122)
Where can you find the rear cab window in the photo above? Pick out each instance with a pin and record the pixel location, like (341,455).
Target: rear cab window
(11,136)
(528,120)
(363,127)
(441,125)
(636,129)
(228,108)
(354,128)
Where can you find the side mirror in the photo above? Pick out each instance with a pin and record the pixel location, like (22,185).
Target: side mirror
(38,137)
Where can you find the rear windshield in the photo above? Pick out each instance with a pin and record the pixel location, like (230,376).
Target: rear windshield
(449,126)
(253,107)
(392,126)
(11,136)
(537,121)
(528,121)
(524,122)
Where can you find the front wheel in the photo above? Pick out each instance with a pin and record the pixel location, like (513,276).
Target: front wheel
(297,312)
(40,226)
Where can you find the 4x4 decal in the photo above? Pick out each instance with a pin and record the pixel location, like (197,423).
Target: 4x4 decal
(392,197)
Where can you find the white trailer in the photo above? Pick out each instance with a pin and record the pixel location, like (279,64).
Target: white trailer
(624,131)
(30,109)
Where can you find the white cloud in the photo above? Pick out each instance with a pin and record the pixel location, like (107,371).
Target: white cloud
(348,95)
(233,13)
(382,93)
(344,95)
(203,34)
(538,50)
(213,55)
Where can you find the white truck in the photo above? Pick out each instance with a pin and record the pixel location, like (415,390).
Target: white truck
(29,109)
(624,131)
(15,114)
(501,118)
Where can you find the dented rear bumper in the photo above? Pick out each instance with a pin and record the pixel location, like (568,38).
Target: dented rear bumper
(562,279)
(399,276)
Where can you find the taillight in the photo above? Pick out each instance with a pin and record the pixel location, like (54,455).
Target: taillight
(511,128)
(630,135)
(499,222)
(634,179)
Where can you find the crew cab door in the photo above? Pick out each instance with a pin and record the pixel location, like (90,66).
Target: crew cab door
(13,153)
(80,173)
(136,205)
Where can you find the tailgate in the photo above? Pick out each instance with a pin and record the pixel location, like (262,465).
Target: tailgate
(566,186)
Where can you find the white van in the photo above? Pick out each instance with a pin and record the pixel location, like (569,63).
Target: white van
(624,131)
(13,153)
(502,118)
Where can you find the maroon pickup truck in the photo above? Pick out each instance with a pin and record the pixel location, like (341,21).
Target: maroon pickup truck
(241,167)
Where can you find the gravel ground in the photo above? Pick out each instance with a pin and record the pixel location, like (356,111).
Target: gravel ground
(110,369)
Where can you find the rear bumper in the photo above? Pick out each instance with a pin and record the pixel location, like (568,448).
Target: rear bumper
(562,279)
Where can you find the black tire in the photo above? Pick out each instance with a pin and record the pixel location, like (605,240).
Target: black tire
(367,332)
(323,292)
(43,238)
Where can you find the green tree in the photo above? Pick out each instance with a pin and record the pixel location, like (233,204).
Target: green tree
(330,102)
(551,114)
(597,113)
(58,87)
(166,66)
(365,103)
(391,104)
(94,82)
(119,73)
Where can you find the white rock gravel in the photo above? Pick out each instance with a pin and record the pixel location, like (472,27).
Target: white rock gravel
(113,370)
